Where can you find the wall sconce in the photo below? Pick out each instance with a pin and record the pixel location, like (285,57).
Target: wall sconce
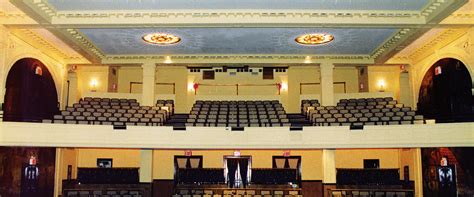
(193,87)
(94,83)
(381,85)
(282,87)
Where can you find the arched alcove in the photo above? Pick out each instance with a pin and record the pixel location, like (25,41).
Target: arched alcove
(446,92)
(30,94)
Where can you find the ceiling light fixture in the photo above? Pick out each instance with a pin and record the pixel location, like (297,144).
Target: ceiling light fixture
(314,39)
(161,38)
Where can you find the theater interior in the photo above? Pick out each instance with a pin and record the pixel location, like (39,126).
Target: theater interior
(249,98)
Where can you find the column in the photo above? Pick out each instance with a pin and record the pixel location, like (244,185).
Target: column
(146,166)
(71,88)
(329,170)
(327,84)
(58,172)
(148,86)
(418,173)
(405,89)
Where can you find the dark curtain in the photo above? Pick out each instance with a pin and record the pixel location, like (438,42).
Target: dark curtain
(232,167)
(243,170)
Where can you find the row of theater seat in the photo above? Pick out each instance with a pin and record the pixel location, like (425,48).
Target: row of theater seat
(99,193)
(372,111)
(106,111)
(237,195)
(237,113)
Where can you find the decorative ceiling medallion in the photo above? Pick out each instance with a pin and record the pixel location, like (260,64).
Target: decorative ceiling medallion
(314,39)
(161,38)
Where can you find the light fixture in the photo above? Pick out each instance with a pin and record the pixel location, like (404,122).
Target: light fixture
(381,84)
(190,86)
(161,38)
(94,83)
(314,39)
(168,60)
(284,86)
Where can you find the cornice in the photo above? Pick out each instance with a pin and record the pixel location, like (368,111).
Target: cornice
(85,43)
(438,42)
(392,42)
(37,41)
(128,17)
(223,58)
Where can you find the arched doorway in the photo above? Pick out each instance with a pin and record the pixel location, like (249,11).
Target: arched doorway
(446,92)
(30,94)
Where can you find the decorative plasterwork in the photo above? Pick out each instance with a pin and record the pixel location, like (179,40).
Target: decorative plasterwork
(391,43)
(241,18)
(126,17)
(462,18)
(17,18)
(37,41)
(438,42)
(219,58)
(85,43)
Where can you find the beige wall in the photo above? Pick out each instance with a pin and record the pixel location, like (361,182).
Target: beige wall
(67,157)
(407,158)
(122,158)
(354,158)
(181,77)
(349,75)
(389,74)
(177,75)
(85,74)
(129,74)
(163,160)
(163,164)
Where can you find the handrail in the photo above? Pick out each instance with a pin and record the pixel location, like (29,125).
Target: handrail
(136,83)
(335,83)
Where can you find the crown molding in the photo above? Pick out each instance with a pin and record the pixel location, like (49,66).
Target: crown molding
(223,58)
(45,46)
(242,17)
(438,42)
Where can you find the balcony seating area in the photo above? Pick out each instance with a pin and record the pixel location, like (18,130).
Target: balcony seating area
(238,114)
(366,111)
(113,111)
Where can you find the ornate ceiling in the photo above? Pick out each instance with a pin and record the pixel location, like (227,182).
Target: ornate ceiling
(110,31)
(256,41)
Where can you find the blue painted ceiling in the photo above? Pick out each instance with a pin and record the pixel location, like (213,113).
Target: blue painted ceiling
(65,5)
(348,41)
